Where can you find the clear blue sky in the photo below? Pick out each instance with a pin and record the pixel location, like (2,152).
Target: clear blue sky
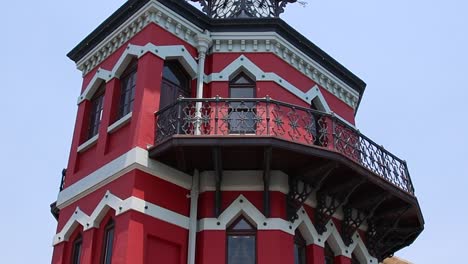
(412,55)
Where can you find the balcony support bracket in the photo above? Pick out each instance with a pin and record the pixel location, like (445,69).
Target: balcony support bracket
(299,191)
(380,233)
(353,219)
(328,201)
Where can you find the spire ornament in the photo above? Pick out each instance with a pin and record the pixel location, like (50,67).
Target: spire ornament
(224,9)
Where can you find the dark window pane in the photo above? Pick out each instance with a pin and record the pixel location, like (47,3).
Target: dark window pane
(299,248)
(108,243)
(241,249)
(354,260)
(175,83)
(76,253)
(97,107)
(169,75)
(329,255)
(242,225)
(127,90)
(247,92)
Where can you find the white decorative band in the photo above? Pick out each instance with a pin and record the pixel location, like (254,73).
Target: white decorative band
(266,42)
(120,207)
(241,206)
(152,12)
(136,158)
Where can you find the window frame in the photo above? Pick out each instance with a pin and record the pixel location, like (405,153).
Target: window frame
(77,250)
(301,246)
(96,110)
(252,84)
(328,253)
(131,72)
(230,231)
(182,76)
(110,227)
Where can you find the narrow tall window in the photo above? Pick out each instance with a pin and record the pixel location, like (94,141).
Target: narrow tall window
(97,107)
(299,248)
(242,114)
(76,250)
(127,89)
(175,83)
(108,243)
(241,243)
(329,255)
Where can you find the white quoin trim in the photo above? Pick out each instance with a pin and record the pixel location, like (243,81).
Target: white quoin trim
(110,201)
(175,52)
(241,206)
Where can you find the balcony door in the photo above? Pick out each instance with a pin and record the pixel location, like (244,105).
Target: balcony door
(175,83)
(242,113)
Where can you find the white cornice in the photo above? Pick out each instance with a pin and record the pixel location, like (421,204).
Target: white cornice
(271,42)
(152,12)
(244,42)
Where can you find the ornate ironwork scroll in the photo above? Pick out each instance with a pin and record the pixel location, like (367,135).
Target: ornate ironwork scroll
(353,219)
(267,117)
(297,195)
(221,9)
(328,201)
(383,236)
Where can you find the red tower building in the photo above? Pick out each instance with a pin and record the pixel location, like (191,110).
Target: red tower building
(223,136)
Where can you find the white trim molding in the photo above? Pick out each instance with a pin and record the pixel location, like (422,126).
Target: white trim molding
(119,123)
(136,158)
(88,143)
(110,201)
(242,206)
(242,63)
(178,52)
(271,42)
(152,12)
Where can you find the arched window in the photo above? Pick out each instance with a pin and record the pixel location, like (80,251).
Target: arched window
(108,243)
(127,89)
(241,242)
(97,107)
(76,250)
(299,248)
(329,255)
(175,83)
(242,114)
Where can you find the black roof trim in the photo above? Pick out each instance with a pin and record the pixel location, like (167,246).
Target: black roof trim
(201,20)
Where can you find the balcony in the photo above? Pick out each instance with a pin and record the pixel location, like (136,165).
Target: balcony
(344,167)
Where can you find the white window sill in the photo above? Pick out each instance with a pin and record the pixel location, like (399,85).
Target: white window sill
(119,123)
(89,143)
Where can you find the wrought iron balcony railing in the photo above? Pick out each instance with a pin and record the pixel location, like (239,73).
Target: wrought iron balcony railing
(267,117)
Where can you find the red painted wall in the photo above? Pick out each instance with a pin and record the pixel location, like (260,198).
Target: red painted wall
(140,238)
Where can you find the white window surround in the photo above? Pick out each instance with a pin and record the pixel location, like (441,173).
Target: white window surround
(154,12)
(241,206)
(119,123)
(177,52)
(242,63)
(88,143)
